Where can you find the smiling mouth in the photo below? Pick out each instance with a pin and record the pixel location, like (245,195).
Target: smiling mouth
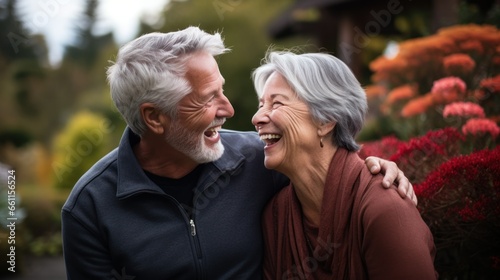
(270,139)
(212,132)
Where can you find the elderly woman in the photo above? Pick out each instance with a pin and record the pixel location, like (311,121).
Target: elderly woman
(334,221)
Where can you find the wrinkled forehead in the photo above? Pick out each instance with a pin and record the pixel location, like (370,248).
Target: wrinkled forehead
(277,85)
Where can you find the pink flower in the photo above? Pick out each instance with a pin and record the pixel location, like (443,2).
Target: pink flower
(463,109)
(448,89)
(449,83)
(479,126)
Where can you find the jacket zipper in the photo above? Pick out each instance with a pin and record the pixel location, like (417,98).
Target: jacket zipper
(192,231)
(197,246)
(193,227)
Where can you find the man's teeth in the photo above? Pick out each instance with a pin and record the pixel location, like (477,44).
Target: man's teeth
(270,136)
(213,131)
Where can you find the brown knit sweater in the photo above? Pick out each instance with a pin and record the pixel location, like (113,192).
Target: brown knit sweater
(365,231)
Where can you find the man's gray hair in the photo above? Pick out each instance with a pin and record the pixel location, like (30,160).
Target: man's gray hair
(151,68)
(326,85)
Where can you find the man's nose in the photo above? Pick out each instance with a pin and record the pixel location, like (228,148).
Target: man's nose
(226,110)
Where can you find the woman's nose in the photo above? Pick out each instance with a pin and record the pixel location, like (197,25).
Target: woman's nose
(260,118)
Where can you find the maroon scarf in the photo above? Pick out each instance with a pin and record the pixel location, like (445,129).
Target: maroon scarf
(292,252)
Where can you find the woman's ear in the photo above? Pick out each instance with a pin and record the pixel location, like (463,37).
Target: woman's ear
(154,119)
(324,129)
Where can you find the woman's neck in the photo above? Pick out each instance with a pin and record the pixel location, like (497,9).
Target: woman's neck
(308,178)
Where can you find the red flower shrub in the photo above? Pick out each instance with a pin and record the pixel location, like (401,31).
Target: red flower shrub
(455,165)
(477,169)
(383,148)
(475,210)
(459,201)
(423,154)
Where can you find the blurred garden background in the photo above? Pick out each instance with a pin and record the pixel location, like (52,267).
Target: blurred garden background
(431,70)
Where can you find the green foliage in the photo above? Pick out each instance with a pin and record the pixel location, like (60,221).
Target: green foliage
(15,136)
(41,227)
(377,128)
(82,142)
(47,245)
(14,44)
(487,12)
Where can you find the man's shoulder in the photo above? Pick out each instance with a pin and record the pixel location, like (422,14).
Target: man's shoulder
(105,167)
(236,137)
(238,133)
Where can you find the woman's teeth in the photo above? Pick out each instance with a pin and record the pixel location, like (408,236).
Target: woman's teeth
(270,138)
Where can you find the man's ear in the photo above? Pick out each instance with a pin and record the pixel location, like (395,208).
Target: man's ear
(324,129)
(154,119)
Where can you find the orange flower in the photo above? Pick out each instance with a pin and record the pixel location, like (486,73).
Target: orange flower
(385,68)
(458,64)
(479,94)
(486,34)
(373,91)
(400,93)
(496,118)
(491,85)
(473,47)
(417,106)
(421,58)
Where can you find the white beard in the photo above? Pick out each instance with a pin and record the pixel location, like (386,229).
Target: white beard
(192,144)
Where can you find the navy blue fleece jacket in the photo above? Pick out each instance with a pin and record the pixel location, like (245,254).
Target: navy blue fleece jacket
(118,224)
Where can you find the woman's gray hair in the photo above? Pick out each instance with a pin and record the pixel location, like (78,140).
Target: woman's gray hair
(326,85)
(151,68)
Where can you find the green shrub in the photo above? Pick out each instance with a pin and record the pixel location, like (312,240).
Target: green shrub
(83,141)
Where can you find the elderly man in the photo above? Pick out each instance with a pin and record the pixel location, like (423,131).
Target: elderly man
(179,198)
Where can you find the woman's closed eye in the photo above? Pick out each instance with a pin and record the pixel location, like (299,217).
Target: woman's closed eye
(277,104)
(274,105)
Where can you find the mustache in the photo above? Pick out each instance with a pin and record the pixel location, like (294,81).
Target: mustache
(217,122)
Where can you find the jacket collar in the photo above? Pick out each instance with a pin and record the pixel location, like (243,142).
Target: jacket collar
(132,179)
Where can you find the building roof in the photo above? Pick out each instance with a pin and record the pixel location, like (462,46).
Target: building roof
(286,23)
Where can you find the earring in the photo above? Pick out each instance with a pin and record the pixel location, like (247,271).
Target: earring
(321,142)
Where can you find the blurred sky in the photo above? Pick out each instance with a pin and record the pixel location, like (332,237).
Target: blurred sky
(58,19)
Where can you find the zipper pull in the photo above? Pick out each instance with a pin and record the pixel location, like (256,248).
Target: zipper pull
(193,227)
